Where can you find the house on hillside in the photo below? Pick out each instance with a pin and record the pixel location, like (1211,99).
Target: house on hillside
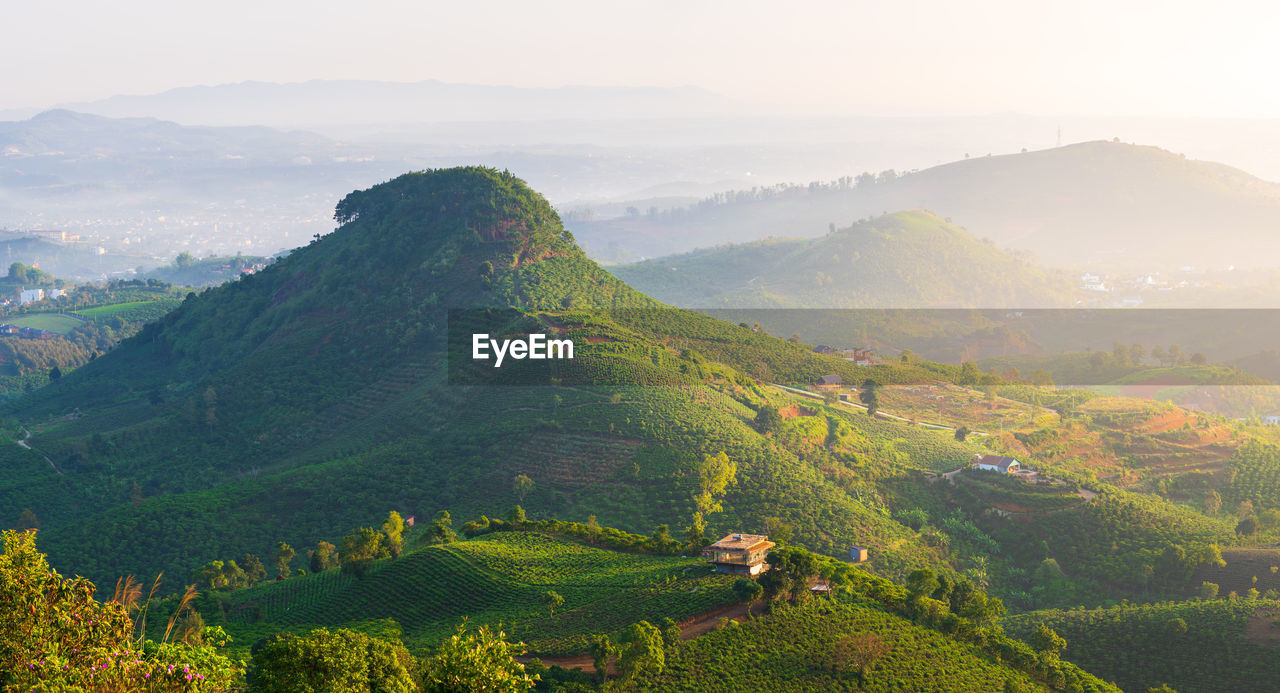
(831,380)
(30,296)
(858,554)
(997,463)
(1272,420)
(740,554)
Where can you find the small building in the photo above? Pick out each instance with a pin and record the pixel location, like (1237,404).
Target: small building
(831,380)
(819,587)
(1272,420)
(30,296)
(740,554)
(844,396)
(997,463)
(858,554)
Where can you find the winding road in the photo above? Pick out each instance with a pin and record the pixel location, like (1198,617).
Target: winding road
(23,442)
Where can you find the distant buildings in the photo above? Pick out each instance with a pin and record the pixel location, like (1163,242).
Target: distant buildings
(997,463)
(831,380)
(30,296)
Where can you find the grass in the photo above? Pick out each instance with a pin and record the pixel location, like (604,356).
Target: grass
(54,322)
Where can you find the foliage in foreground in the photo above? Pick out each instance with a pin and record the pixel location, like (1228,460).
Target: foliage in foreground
(54,636)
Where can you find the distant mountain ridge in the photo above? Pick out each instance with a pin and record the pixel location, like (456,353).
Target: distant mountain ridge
(1094,205)
(367,101)
(902,260)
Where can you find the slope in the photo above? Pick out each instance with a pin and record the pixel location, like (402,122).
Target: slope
(1194,647)
(1095,204)
(902,260)
(319,393)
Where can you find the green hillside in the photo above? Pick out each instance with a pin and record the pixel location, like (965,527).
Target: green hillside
(496,578)
(902,260)
(315,396)
(1194,647)
(796,649)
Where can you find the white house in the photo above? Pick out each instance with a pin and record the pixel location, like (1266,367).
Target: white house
(30,295)
(997,463)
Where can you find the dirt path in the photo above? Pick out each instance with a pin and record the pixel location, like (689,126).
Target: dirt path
(698,625)
(23,442)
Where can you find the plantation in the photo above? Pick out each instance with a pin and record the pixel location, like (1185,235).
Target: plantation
(796,649)
(496,578)
(1194,647)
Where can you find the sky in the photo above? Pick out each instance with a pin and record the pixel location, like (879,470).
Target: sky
(848,57)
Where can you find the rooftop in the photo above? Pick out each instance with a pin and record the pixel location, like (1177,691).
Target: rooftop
(743,542)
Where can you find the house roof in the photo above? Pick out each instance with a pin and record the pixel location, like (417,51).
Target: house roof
(743,542)
(999,461)
(832,379)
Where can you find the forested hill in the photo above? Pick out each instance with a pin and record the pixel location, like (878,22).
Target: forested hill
(315,396)
(903,260)
(1099,205)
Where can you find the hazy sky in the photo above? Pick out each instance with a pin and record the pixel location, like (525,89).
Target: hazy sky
(840,57)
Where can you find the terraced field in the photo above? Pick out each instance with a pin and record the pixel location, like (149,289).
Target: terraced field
(500,577)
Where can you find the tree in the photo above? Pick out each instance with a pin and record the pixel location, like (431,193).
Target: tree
(284,555)
(253,569)
(601,648)
(715,474)
(184,260)
(1048,642)
(768,419)
(640,652)
(27,520)
(516,517)
(553,601)
(859,651)
(778,530)
(867,395)
(55,373)
(1199,359)
(1212,502)
(341,661)
(1120,353)
(747,590)
(393,533)
(922,582)
(1247,527)
(962,433)
(322,558)
(695,534)
(522,485)
(480,660)
(359,549)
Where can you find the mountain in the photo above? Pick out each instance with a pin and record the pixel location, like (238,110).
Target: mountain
(902,260)
(334,102)
(1094,205)
(335,384)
